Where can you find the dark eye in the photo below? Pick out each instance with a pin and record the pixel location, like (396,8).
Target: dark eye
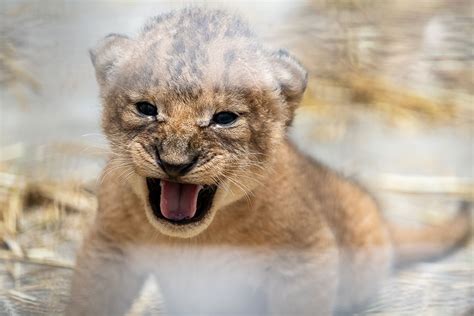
(224,118)
(146,108)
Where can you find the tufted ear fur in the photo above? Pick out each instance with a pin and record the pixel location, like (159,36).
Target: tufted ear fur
(106,54)
(292,78)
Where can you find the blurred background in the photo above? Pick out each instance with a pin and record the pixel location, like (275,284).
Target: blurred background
(389,102)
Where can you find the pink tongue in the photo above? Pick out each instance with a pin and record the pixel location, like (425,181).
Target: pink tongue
(178,200)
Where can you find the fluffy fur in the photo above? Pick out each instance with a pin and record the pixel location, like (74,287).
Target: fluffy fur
(294,236)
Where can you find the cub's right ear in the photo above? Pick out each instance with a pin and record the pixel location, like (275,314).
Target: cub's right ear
(107,52)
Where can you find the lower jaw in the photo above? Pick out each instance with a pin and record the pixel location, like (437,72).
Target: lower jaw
(170,229)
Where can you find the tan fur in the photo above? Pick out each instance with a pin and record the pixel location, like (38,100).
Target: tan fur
(298,237)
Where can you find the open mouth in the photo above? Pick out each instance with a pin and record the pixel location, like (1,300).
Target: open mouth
(179,203)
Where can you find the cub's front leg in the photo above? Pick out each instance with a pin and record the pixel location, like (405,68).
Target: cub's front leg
(105,280)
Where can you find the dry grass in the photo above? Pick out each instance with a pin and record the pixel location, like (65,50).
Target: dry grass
(364,52)
(395,101)
(378,94)
(33,206)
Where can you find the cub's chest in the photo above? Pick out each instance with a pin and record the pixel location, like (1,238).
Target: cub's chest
(207,279)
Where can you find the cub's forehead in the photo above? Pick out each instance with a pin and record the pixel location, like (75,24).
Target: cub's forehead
(179,63)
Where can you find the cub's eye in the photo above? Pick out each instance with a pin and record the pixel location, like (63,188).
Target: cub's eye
(224,118)
(146,108)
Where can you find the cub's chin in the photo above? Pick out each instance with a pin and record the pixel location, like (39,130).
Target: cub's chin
(179,209)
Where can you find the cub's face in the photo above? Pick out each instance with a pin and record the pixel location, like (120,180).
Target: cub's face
(196,126)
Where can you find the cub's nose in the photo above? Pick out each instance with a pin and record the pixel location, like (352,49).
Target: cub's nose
(177,170)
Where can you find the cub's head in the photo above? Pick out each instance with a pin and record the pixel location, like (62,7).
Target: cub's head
(195,107)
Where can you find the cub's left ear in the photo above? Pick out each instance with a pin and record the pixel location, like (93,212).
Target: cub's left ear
(292,78)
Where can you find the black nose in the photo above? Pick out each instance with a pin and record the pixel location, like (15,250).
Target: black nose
(176,170)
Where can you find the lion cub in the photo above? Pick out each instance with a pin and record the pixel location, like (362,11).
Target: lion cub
(204,191)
